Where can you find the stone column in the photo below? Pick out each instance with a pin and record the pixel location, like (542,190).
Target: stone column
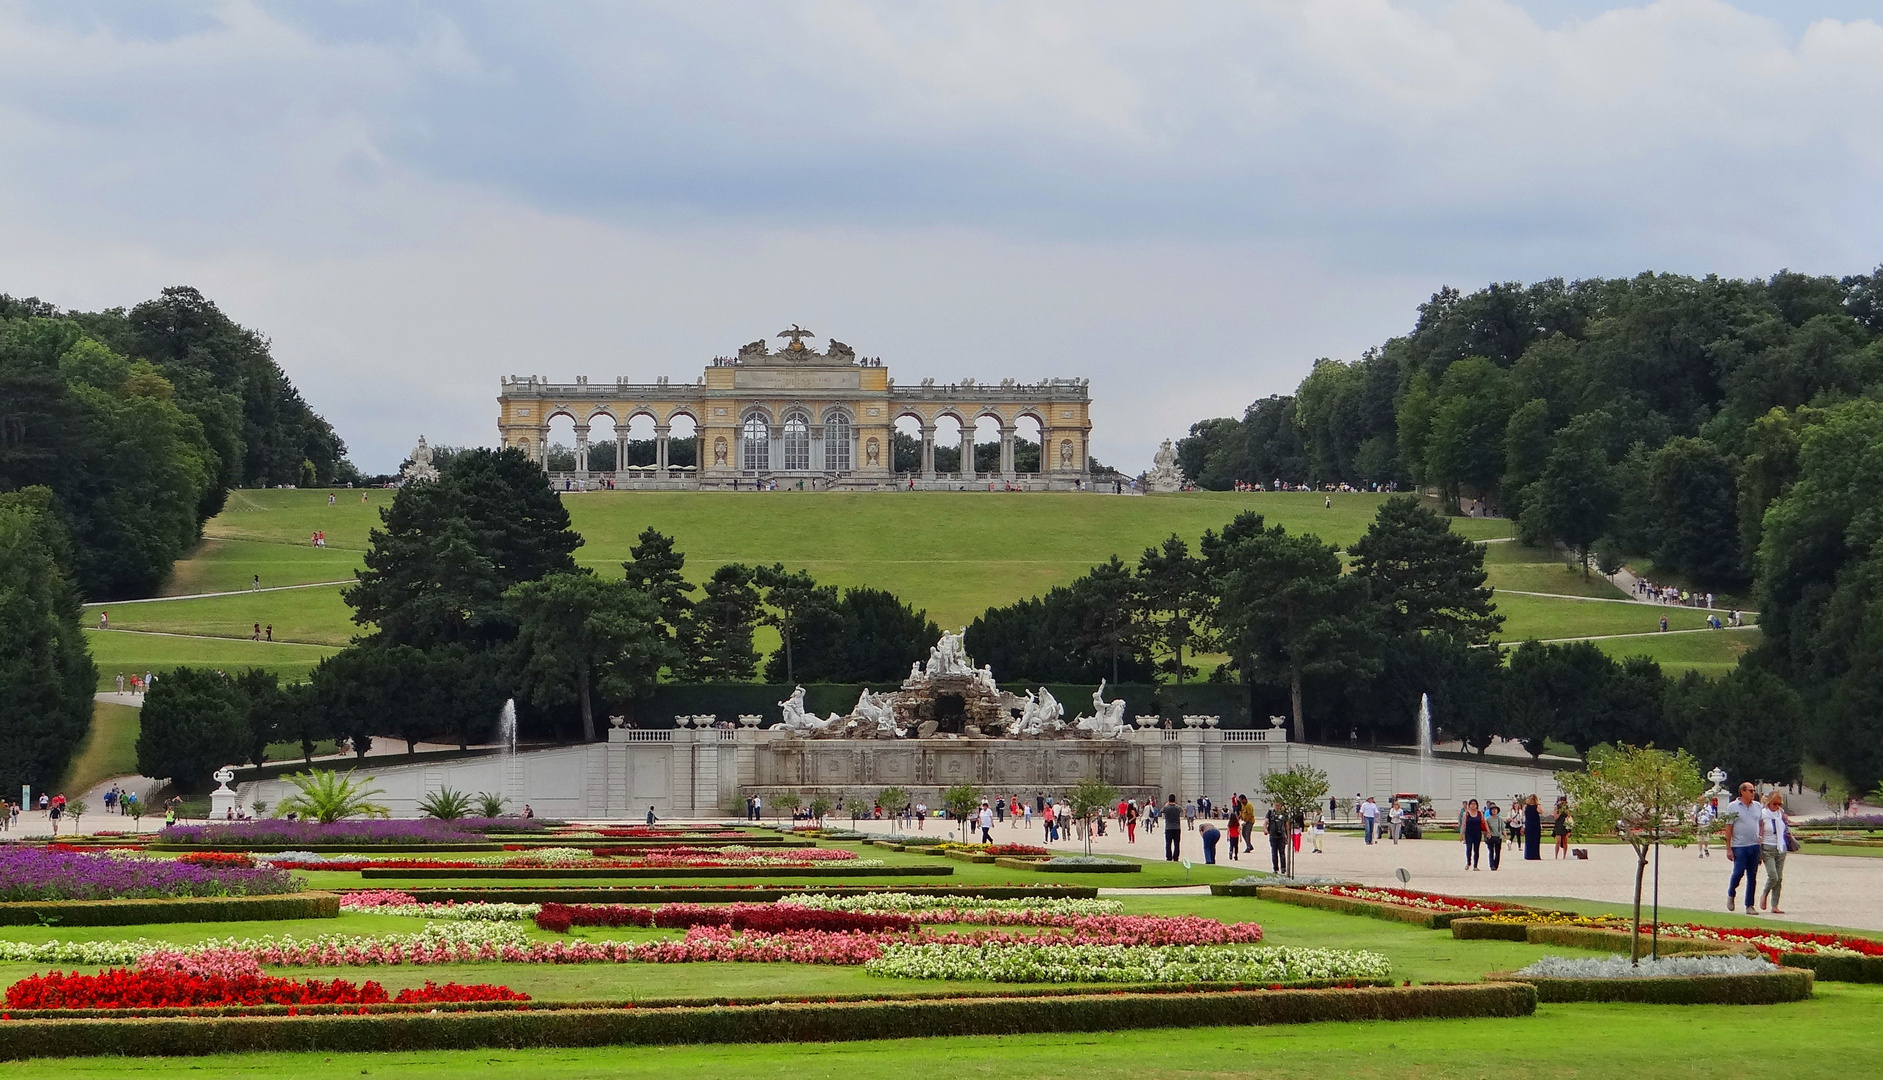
(661,432)
(621,449)
(581,449)
(928,451)
(966,453)
(1006,451)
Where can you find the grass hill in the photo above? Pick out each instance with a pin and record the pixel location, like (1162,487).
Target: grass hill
(952,553)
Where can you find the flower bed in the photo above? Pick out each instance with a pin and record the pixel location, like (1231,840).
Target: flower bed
(1690,980)
(859,868)
(1059,962)
(276,831)
(1836,957)
(769,1021)
(1073,864)
(36,874)
(1029,911)
(1434,911)
(733,892)
(162,988)
(391,902)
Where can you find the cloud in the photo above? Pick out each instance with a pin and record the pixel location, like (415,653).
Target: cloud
(1186,202)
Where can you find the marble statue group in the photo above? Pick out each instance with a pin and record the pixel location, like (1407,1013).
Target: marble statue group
(949,689)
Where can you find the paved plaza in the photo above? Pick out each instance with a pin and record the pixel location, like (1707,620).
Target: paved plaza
(1835,890)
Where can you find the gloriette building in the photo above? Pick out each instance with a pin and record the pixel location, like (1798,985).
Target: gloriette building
(821,419)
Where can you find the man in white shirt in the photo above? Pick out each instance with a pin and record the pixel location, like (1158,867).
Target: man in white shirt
(1741,817)
(987,824)
(1370,816)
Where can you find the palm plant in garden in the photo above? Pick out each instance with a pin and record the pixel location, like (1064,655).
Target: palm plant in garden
(1299,789)
(1645,796)
(328,797)
(445,804)
(490,805)
(1089,799)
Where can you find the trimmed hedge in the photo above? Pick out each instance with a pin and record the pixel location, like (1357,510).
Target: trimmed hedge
(1768,988)
(543,1027)
(1484,930)
(767,842)
(1013,862)
(307,905)
(1837,968)
(1588,937)
(684,1002)
(708,894)
(1348,905)
(533,873)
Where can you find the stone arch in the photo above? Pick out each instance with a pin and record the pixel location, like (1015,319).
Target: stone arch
(839,433)
(794,442)
(755,442)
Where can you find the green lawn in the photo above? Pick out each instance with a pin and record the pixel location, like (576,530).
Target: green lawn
(1837,1030)
(118,652)
(314,615)
(953,554)
(1515,566)
(109,749)
(1710,654)
(233,565)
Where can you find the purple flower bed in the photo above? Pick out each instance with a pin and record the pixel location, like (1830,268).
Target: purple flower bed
(368,831)
(32,873)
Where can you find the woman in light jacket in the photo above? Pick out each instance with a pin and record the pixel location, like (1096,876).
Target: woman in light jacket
(1774,832)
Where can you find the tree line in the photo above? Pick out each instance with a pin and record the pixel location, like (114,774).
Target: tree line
(470,594)
(1345,644)
(138,422)
(1725,431)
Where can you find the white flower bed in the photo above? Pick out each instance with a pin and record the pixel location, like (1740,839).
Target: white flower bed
(1618,967)
(909,902)
(1126,963)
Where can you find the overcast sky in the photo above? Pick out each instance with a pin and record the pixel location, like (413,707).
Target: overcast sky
(1186,203)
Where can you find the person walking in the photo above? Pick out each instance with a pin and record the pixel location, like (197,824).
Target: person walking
(1703,819)
(1370,817)
(1173,829)
(1472,827)
(1275,824)
(1742,820)
(1235,834)
(1775,840)
(1559,828)
(1248,825)
(987,823)
(1532,830)
(1395,821)
(1318,833)
(1493,835)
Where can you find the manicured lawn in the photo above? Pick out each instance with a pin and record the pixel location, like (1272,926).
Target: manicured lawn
(1545,618)
(109,749)
(1514,566)
(232,565)
(123,653)
(314,615)
(1836,1031)
(1709,654)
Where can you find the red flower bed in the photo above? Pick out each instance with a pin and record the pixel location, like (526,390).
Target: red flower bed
(559,917)
(1761,937)
(218,858)
(433,992)
(1017,849)
(123,989)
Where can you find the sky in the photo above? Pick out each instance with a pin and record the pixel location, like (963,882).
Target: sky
(1186,203)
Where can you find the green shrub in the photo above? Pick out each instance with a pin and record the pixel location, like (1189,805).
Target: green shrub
(727,894)
(1785,984)
(542,1026)
(307,905)
(1837,968)
(1588,937)
(1348,905)
(1483,930)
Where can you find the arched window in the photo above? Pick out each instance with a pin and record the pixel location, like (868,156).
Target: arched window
(755,448)
(797,441)
(837,443)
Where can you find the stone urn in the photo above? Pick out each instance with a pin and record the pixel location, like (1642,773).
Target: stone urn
(751,720)
(1147,721)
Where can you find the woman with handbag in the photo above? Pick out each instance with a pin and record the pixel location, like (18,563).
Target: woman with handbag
(1775,840)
